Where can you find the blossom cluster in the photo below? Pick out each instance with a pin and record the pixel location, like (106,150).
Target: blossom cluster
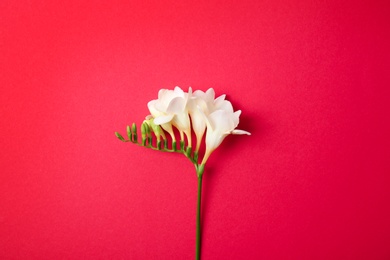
(196,111)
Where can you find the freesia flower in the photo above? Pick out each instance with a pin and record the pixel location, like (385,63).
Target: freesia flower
(171,109)
(199,104)
(199,111)
(202,106)
(220,124)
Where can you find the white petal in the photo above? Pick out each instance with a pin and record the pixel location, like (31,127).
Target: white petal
(151,103)
(182,122)
(240,132)
(198,122)
(176,105)
(202,105)
(178,91)
(161,92)
(225,105)
(210,95)
(198,93)
(188,95)
(236,117)
(152,108)
(219,100)
(213,139)
(205,118)
(161,107)
(165,98)
(163,119)
(221,121)
(168,127)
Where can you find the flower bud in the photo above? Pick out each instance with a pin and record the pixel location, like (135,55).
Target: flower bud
(134,130)
(157,130)
(128,129)
(120,137)
(144,133)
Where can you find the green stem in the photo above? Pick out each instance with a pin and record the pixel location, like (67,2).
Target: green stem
(198,235)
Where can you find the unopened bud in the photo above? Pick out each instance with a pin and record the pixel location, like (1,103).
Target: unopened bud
(144,133)
(134,131)
(129,132)
(157,130)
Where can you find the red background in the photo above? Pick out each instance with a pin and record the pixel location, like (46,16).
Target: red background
(312,80)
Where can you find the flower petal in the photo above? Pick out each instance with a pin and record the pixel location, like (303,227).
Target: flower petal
(236,117)
(163,119)
(240,132)
(176,105)
(209,95)
(221,121)
(152,108)
(198,122)
(182,121)
(225,105)
(178,91)
(219,100)
(161,93)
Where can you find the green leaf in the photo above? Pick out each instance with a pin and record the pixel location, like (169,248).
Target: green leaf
(120,137)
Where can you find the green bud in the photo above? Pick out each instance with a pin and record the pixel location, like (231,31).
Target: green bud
(147,132)
(147,127)
(196,154)
(120,137)
(157,130)
(144,133)
(188,152)
(143,130)
(134,131)
(128,132)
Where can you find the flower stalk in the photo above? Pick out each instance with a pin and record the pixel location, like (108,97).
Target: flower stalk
(198,227)
(199,173)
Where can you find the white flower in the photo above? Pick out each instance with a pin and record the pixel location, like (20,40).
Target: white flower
(201,106)
(175,107)
(200,103)
(171,109)
(220,124)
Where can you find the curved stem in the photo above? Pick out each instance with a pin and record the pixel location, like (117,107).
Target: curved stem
(198,234)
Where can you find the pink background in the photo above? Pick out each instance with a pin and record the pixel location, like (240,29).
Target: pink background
(312,80)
